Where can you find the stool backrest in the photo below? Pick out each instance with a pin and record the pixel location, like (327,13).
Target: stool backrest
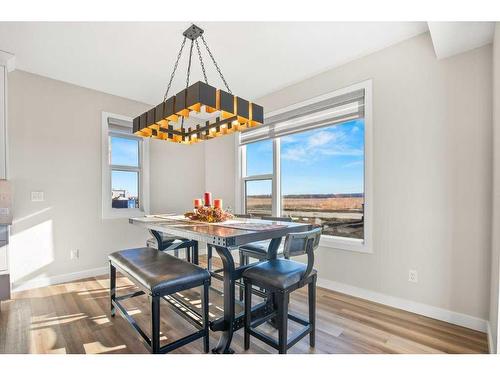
(277,218)
(303,243)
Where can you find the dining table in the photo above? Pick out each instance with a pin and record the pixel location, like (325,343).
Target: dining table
(225,237)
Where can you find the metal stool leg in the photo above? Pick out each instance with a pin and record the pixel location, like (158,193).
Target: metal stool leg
(155,324)
(112,287)
(205,304)
(311,288)
(248,313)
(188,254)
(243,262)
(282,298)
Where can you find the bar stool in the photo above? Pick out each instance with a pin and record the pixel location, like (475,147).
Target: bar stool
(258,250)
(281,277)
(158,274)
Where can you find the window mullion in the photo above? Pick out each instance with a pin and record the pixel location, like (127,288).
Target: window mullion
(276,194)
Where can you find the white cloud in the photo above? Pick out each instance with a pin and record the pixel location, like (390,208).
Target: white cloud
(320,144)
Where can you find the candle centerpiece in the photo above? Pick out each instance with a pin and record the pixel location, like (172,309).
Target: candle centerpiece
(218,203)
(207,212)
(208,199)
(197,203)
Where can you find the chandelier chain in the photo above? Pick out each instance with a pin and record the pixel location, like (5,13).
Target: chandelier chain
(215,63)
(189,64)
(175,68)
(201,61)
(188,74)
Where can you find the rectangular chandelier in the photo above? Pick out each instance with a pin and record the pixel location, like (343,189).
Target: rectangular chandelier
(198,113)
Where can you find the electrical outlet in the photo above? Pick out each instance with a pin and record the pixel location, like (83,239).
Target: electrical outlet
(413,276)
(37,196)
(74,254)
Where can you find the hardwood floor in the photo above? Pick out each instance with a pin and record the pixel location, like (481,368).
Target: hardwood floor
(74,318)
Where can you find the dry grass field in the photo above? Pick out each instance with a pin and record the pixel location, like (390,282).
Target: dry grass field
(323,204)
(339,216)
(305,204)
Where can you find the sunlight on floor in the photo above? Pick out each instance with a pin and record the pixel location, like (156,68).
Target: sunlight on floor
(96,348)
(101,319)
(44,321)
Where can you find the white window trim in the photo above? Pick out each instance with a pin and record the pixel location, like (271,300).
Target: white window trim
(108,212)
(334,242)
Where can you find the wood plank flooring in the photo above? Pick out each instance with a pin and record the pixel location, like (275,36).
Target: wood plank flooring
(74,318)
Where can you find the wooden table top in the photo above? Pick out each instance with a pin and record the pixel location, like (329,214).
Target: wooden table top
(231,233)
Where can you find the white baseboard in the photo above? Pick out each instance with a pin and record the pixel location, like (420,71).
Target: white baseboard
(58,279)
(490,338)
(407,305)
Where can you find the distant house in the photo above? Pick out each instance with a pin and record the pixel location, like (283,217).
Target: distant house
(119,199)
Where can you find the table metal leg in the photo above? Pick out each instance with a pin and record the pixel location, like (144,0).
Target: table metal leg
(223,346)
(195,253)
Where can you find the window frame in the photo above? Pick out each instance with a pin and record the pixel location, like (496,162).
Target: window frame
(108,212)
(328,241)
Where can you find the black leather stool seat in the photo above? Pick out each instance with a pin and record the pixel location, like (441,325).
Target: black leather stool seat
(278,273)
(159,272)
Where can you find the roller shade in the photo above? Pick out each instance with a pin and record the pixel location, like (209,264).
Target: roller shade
(119,126)
(330,111)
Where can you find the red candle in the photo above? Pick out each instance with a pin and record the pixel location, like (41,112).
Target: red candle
(218,203)
(197,203)
(208,199)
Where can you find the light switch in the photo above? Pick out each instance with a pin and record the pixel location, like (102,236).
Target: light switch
(37,196)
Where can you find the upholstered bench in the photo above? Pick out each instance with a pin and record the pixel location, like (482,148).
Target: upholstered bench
(158,274)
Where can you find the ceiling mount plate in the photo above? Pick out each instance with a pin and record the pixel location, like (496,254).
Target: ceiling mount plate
(193,32)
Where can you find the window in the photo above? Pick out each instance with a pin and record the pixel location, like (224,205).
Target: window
(322,178)
(312,162)
(125,169)
(258,180)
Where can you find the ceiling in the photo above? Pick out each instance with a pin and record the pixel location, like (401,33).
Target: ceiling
(135,60)
(452,38)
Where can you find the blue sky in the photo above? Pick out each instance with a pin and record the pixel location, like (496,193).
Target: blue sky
(125,151)
(322,161)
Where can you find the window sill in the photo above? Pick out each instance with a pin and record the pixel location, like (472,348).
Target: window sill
(122,213)
(344,243)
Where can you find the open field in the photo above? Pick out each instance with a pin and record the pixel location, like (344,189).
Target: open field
(339,215)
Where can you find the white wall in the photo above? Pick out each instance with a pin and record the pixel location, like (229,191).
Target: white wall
(495,248)
(432,178)
(181,173)
(55,147)
(219,169)
(177,176)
